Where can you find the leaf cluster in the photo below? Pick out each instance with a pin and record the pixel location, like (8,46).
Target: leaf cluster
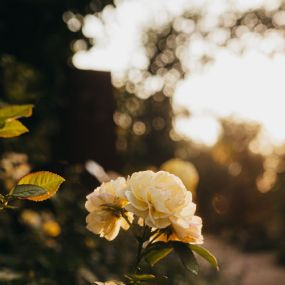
(37,186)
(10,126)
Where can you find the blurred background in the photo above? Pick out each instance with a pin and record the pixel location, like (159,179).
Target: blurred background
(192,87)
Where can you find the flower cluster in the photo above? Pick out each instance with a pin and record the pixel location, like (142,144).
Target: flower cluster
(157,200)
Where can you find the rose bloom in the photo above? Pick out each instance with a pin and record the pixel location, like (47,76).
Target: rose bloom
(104,207)
(185,231)
(158,198)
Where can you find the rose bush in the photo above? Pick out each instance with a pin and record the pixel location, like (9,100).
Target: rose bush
(165,219)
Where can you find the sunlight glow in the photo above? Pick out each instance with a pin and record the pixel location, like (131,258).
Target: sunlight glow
(248,87)
(201,129)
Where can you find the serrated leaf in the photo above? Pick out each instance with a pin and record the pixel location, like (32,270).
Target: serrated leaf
(157,252)
(27,190)
(45,179)
(186,256)
(16,111)
(12,129)
(203,252)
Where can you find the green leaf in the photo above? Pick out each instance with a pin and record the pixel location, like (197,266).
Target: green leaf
(2,123)
(12,128)
(203,252)
(16,111)
(9,125)
(144,278)
(46,180)
(141,277)
(27,190)
(186,256)
(157,252)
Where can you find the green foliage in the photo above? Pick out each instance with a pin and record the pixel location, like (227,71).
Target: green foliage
(12,129)
(9,125)
(142,279)
(44,179)
(160,250)
(157,252)
(186,256)
(203,252)
(27,190)
(37,186)
(2,123)
(15,111)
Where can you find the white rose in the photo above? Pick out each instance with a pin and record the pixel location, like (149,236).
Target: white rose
(188,231)
(158,197)
(104,206)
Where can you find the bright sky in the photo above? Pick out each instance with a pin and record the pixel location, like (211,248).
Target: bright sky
(249,87)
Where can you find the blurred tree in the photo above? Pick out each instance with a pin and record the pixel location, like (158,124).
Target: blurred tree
(230,172)
(145,121)
(143,126)
(237,193)
(229,199)
(167,48)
